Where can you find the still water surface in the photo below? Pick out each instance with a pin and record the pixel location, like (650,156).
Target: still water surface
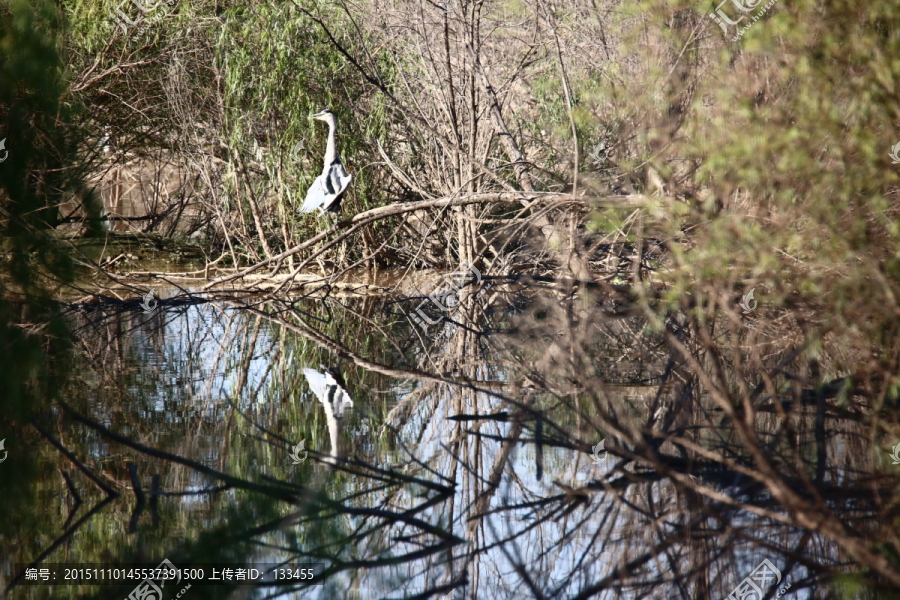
(468,464)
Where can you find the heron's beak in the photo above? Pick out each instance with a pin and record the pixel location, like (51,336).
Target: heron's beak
(316,116)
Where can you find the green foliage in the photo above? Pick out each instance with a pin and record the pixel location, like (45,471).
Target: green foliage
(779,161)
(803,129)
(35,178)
(279,69)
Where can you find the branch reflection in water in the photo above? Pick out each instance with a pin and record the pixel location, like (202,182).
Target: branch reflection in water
(491,487)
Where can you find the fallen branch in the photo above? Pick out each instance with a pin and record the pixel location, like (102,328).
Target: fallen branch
(382,212)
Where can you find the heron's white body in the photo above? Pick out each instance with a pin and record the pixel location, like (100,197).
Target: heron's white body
(327,190)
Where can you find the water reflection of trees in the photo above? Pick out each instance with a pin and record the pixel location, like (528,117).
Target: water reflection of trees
(467,465)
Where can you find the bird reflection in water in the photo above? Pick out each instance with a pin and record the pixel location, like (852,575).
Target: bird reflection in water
(328,386)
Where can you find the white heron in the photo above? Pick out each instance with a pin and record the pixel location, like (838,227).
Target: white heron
(329,188)
(334,398)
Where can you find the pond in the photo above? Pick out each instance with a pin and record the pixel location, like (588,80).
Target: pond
(529,443)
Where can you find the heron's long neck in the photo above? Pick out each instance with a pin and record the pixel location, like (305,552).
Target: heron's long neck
(330,150)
